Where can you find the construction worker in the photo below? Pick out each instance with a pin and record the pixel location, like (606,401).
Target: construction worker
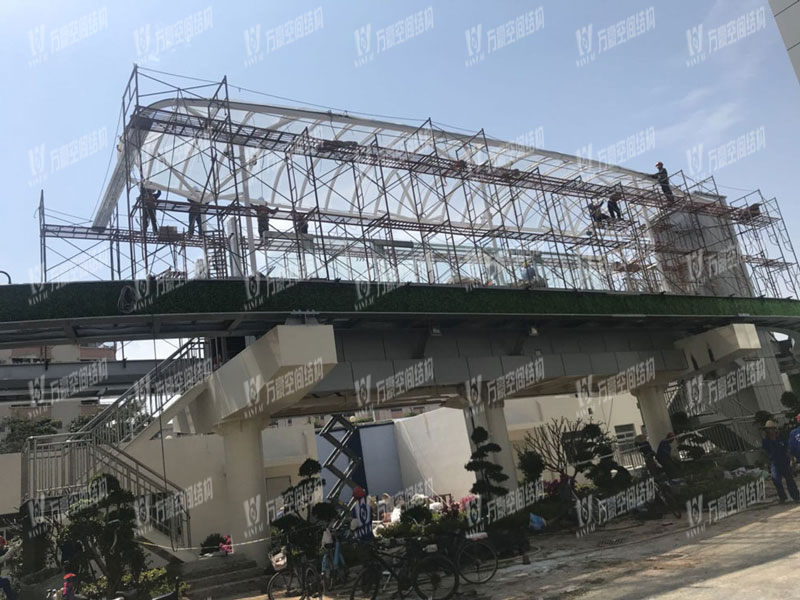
(596,213)
(613,207)
(779,462)
(195,216)
(663,179)
(148,199)
(361,524)
(263,213)
(300,222)
(794,440)
(664,455)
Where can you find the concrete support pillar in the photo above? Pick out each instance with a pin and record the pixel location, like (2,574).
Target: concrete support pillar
(493,419)
(247,491)
(654,411)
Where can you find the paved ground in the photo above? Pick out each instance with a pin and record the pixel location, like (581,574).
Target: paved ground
(752,555)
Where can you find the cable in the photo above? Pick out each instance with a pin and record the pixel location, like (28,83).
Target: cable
(108,166)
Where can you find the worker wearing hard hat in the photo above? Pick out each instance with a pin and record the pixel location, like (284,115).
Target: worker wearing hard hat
(779,468)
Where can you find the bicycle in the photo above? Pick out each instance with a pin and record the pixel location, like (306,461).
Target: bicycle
(474,556)
(333,568)
(430,574)
(296,576)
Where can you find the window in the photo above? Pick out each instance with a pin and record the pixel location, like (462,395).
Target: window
(626,434)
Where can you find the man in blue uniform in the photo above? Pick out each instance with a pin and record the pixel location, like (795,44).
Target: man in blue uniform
(779,462)
(794,440)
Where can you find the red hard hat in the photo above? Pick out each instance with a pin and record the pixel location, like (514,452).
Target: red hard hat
(359,492)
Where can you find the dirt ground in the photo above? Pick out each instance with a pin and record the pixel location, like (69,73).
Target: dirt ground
(752,555)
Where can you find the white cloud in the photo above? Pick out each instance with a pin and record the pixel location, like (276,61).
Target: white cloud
(705,125)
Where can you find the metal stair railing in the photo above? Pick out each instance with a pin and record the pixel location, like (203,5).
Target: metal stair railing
(146,399)
(58,465)
(55,465)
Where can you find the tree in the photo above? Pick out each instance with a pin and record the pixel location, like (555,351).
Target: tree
(489,475)
(20,429)
(568,448)
(105,531)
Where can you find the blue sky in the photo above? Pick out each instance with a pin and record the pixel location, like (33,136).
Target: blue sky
(57,95)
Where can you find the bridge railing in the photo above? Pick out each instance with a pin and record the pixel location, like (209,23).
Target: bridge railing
(54,466)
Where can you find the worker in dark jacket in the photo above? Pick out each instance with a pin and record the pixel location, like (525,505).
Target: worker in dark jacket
(148,199)
(779,462)
(195,216)
(613,206)
(664,455)
(263,213)
(663,179)
(794,440)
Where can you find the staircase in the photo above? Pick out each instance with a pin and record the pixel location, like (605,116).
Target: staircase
(231,576)
(56,465)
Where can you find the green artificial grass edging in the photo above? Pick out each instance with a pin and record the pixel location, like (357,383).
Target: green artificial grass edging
(100,299)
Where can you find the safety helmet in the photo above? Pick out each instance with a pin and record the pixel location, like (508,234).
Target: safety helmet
(359,492)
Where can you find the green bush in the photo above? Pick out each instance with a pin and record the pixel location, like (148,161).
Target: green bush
(211,543)
(154,582)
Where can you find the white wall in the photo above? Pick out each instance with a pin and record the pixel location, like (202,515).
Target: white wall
(435,445)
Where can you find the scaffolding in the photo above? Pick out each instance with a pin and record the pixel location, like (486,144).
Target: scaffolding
(307,194)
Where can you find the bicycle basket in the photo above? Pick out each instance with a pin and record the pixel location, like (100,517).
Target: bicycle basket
(278,561)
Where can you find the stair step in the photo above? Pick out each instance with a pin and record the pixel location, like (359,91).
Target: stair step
(226,577)
(254,587)
(215,565)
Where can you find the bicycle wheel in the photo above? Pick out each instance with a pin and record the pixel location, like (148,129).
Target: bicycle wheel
(312,583)
(366,585)
(284,585)
(436,578)
(477,561)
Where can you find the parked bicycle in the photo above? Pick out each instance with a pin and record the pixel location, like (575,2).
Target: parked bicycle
(333,567)
(473,554)
(420,567)
(297,576)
